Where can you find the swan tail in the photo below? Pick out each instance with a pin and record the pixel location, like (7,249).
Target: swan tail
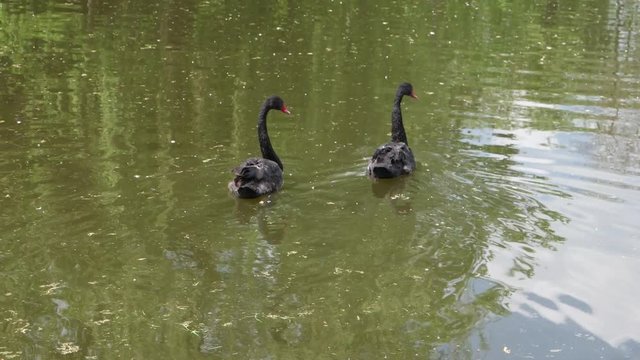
(246,192)
(382,172)
(242,189)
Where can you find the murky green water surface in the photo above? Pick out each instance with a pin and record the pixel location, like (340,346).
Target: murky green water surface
(517,237)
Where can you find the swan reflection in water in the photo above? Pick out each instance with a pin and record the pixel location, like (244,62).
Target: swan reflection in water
(394,190)
(257,210)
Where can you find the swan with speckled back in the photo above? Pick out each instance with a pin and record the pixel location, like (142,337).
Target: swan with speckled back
(260,176)
(394,158)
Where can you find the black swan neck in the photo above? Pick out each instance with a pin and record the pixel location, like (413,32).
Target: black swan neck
(263,138)
(397,128)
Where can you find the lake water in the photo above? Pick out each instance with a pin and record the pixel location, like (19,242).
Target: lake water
(517,237)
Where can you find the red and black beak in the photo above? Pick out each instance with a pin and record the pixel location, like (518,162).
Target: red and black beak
(285,110)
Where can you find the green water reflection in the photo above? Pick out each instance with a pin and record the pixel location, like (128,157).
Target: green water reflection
(120,121)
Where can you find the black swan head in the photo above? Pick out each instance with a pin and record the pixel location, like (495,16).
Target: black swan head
(406,89)
(276,103)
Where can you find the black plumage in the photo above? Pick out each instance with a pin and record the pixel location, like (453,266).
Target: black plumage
(260,176)
(395,158)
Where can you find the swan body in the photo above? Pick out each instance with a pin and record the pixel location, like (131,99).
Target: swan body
(260,176)
(394,158)
(391,160)
(256,177)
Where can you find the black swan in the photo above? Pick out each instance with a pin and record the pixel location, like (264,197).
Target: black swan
(395,158)
(260,176)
